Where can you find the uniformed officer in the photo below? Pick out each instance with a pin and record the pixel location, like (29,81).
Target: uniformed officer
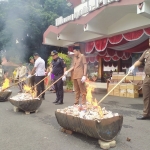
(58,69)
(145,58)
(79,75)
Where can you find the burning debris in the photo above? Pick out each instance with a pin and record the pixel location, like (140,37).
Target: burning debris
(90,111)
(30,90)
(23,97)
(85,112)
(29,94)
(5,84)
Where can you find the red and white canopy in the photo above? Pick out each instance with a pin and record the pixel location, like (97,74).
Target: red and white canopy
(119,46)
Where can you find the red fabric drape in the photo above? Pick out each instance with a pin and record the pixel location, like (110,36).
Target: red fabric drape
(119,53)
(115,58)
(124,57)
(147,31)
(138,48)
(111,52)
(103,46)
(116,39)
(107,59)
(89,47)
(133,35)
(127,55)
(100,45)
(103,53)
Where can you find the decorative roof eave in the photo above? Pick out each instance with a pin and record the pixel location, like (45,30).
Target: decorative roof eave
(84,20)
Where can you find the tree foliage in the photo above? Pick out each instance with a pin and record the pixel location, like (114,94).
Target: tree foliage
(25,21)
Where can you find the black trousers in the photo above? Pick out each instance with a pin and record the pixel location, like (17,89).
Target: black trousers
(59,89)
(40,87)
(32,81)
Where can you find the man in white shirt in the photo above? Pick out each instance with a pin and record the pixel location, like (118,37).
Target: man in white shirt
(39,71)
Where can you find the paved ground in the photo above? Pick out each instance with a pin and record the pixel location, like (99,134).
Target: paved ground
(40,131)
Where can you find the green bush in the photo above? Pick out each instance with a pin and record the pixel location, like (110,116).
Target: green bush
(64,57)
(69,85)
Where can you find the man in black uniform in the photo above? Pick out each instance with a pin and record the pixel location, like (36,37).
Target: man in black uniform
(58,69)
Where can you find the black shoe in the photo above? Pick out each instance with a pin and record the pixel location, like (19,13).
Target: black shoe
(42,98)
(55,102)
(60,103)
(141,117)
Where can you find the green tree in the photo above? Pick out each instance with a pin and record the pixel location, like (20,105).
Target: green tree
(25,21)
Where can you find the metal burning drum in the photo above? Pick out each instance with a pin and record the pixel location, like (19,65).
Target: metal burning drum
(106,129)
(28,105)
(4,95)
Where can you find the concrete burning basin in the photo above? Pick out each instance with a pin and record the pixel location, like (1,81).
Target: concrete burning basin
(4,95)
(27,105)
(106,129)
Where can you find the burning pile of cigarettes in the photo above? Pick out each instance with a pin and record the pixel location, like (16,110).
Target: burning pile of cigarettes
(23,97)
(29,94)
(90,111)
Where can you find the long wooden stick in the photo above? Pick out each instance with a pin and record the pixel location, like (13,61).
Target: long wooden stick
(50,86)
(113,87)
(16,83)
(54,82)
(37,84)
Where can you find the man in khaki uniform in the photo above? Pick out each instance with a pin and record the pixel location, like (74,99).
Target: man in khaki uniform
(145,58)
(20,75)
(79,75)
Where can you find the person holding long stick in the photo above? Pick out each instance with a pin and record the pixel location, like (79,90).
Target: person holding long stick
(39,71)
(20,75)
(79,75)
(58,69)
(145,58)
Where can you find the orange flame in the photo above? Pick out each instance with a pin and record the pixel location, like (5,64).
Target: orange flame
(5,84)
(89,96)
(93,102)
(100,111)
(28,89)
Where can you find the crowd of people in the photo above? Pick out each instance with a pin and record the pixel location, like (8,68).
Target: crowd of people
(41,77)
(56,73)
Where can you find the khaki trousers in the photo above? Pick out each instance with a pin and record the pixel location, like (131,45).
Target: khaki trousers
(146,96)
(79,89)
